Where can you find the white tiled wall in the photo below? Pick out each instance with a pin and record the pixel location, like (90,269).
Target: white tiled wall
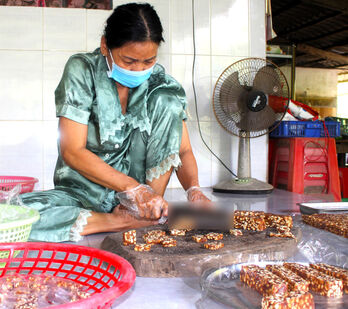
(35,43)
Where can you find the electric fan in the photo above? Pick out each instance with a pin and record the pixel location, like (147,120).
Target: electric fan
(250,99)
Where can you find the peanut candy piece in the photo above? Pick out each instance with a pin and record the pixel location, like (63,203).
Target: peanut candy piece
(164,238)
(82,294)
(295,282)
(214,236)
(262,280)
(319,282)
(249,220)
(176,232)
(154,236)
(282,235)
(236,232)
(130,238)
(142,247)
(152,240)
(293,300)
(215,245)
(333,271)
(26,302)
(156,233)
(168,241)
(334,223)
(199,238)
(251,223)
(273,220)
(282,229)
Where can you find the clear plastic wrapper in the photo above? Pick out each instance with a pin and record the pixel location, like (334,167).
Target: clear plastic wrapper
(320,246)
(11,197)
(222,288)
(15,218)
(38,291)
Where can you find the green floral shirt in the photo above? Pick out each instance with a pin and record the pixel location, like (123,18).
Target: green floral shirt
(142,143)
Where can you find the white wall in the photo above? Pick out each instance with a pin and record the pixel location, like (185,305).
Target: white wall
(35,43)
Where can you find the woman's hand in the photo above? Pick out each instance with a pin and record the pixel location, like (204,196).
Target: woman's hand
(144,202)
(195,195)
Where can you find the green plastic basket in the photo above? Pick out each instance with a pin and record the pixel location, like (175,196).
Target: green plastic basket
(17,227)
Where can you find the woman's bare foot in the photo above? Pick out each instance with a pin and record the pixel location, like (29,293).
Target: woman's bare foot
(120,219)
(128,221)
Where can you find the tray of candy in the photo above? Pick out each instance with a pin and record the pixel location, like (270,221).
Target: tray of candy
(327,207)
(224,286)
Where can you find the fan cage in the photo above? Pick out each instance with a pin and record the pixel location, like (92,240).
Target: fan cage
(247,69)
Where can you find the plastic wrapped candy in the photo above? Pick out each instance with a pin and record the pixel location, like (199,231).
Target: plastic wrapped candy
(38,291)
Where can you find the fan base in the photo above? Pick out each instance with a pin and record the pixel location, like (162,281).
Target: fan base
(247,186)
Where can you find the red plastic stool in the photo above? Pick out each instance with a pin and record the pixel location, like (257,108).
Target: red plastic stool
(344,181)
(305,165)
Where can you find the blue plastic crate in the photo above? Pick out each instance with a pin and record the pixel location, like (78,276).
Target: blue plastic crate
(306,129)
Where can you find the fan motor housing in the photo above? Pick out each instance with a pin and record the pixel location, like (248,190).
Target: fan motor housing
(256,100)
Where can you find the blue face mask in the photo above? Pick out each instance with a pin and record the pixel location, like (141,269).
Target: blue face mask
(127,78)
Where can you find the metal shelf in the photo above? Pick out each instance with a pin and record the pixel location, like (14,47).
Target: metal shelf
(278,56)
(289,59)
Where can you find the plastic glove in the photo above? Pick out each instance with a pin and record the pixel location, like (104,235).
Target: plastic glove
(144,202)
(195,195)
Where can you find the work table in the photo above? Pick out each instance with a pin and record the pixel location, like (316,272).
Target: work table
(171,293)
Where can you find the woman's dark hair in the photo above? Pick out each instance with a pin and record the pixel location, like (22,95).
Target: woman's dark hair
(133,22)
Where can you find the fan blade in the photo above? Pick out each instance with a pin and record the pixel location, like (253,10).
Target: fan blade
(230,92)
(257,121)
(267,80)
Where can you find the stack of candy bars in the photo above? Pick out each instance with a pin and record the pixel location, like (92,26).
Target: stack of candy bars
(259,221)
(286,286)
(21,291)
(294,281)
(262,280)
(249,220)
(334,223)
(273,220)
(291,300)
(319,282)
(334,272)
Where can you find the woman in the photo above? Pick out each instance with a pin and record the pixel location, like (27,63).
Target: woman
(122,132)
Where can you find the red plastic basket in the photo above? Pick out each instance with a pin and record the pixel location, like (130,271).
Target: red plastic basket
(27,183)
(106,275)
